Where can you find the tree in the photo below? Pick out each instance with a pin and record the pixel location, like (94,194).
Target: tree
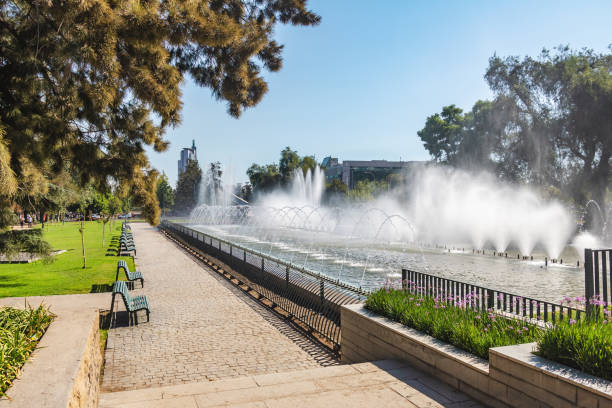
(264,178)
(89,85)
(268,177)
(289,161)
(442,134)
(165,194)
(366,190)
(104,211)
(308,163)
(87,196)
(336,191)
(563,100)
(114,206)
(187,188)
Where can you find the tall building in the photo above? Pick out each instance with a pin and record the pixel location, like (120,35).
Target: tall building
(350,172)
(187,154)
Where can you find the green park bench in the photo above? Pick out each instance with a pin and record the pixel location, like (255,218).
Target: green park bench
(130,276)
(127,245)
(132,304)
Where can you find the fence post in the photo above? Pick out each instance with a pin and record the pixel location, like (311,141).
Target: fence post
(588,280)
(490,299)
(404,279)
(287,278)
(322,290)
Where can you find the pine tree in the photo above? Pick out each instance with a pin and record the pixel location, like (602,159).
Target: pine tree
(187,188)
(87,85)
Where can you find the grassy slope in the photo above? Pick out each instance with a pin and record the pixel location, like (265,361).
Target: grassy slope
(66,275)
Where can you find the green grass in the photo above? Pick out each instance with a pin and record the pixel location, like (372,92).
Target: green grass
(65,274)
(20,331)
(451,321)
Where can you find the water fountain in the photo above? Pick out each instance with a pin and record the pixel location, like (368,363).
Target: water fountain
(365,244)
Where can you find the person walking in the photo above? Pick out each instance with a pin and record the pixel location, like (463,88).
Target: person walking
(29,220)
(21,220)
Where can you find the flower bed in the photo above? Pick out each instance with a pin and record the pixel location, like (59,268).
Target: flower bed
(452,320)
(585,344)
(20,331)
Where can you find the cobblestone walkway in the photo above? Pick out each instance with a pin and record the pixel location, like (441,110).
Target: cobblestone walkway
(201,329)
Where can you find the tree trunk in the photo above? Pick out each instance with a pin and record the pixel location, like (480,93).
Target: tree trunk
(82,230)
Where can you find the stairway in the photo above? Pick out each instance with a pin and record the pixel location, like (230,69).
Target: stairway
(387,383)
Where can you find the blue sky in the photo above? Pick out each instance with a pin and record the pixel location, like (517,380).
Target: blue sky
(361,84)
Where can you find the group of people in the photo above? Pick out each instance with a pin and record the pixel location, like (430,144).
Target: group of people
(27,219)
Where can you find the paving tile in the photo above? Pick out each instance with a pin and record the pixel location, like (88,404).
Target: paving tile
(358,398)
(200,329)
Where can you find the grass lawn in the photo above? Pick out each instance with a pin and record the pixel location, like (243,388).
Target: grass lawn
(66,275)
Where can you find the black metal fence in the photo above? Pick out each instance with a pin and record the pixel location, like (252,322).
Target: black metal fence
(307,296)
(484,298)
(597,278)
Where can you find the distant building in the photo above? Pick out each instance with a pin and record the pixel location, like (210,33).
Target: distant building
(353,171)
(187,154)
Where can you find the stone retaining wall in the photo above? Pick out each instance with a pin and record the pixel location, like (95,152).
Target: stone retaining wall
(514,376)
(87,381)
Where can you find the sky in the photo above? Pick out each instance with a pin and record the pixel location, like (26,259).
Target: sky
(361,84)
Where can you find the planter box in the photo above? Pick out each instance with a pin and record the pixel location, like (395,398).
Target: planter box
(64,369)
(513,377)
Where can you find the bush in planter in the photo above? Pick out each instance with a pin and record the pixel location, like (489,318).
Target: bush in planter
(452,320)
(585,344)
(24,241)
(20,331)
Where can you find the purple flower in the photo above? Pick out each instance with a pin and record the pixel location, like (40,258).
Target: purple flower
(572,321)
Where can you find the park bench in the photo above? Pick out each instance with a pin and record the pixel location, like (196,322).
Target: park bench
(127,247)
(132,304)
(126,243)
(131,276)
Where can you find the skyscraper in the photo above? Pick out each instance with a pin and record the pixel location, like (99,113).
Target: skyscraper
(187,154)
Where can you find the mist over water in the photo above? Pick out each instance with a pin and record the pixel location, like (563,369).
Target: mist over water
(449,207)
(455,207)
(430,224)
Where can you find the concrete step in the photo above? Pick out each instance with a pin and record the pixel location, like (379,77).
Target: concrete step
(375,384)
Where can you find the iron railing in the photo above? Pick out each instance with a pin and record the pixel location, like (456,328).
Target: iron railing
(309,297)
(484,298)
(597,278)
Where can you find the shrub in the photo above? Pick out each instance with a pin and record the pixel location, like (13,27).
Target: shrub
(452,320)
(26,241)
(20,331)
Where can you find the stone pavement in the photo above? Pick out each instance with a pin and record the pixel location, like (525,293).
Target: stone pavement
(378,384)
(200,329)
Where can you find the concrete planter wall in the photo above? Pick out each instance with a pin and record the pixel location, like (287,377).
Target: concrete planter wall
(513,377)
(64,370)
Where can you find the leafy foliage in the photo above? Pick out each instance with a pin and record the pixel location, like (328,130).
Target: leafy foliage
(165,193)
(86,86)
(336,191)
(584,344)
(549,124)
(187,188)
(268,177)
(366,190)
(20,331)
(24,241)
(451,320)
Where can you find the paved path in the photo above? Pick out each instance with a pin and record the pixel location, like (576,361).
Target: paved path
(379,384)
(200,328)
